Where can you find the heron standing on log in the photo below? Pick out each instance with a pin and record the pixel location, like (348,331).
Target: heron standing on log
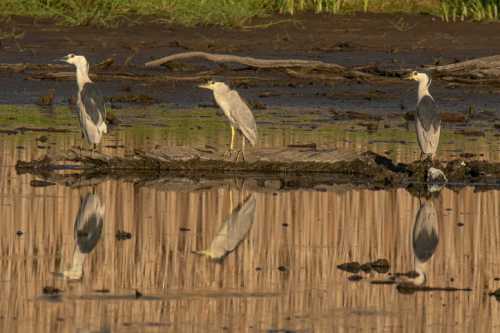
(237,111)
(91,108)
(428,122)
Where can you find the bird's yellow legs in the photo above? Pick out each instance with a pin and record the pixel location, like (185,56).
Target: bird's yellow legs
(229,152)
(241,152)
(233,135)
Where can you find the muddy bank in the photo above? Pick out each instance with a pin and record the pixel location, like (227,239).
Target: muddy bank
(378,44)
(276,169)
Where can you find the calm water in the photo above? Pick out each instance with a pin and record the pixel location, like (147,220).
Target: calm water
(280,270)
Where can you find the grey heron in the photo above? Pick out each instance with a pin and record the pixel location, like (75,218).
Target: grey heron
(88,228)
(237,111)
(92,111)
(428,121)
(425,239)
(233,230)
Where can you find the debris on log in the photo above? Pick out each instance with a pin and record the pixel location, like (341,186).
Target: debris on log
(275,169)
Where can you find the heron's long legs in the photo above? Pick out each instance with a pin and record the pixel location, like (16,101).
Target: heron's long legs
(242,151)
(229,152)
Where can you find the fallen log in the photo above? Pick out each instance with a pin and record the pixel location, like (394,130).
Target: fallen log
(248,61)
(483,70)
(301,167)
(261,63)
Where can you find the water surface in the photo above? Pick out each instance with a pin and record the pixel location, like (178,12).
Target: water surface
(279,272)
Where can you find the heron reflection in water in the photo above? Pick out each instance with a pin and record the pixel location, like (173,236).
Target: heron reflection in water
(87,232)
(232,232)
(425,238)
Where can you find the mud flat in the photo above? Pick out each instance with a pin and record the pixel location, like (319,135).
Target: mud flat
(275,169)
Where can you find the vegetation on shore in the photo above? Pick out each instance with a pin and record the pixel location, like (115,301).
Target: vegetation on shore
(233,12)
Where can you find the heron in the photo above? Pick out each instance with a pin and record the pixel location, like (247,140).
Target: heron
(233,230)
(91,107)
(237,111)
(428,121)
(88,228)
(425,239)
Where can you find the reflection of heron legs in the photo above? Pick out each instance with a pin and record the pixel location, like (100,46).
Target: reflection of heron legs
(230,200)
(229,152)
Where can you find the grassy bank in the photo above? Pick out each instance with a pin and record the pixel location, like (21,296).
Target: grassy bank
(233,12)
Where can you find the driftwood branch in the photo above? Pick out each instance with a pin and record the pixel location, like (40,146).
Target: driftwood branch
(249,61)
(260,63)
(474,64)
(481,70)
(484,70)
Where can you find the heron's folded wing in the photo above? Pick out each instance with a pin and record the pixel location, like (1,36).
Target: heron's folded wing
(243,116)
(427,113)
(94,103)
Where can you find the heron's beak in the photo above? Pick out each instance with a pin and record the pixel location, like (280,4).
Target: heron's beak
(204,86)
(408,77)
(63,59)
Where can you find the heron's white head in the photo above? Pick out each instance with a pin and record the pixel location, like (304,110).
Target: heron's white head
(77,60)
(420,77)
(213,85)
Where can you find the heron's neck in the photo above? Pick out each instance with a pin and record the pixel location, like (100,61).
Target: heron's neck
(423,89)
(82,76)
(76,270)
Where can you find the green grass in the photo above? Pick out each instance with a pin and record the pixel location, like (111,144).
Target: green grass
(478,10)
(232,12)
(114,12)
(12,116)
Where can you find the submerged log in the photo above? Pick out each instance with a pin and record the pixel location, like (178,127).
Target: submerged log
(277,169)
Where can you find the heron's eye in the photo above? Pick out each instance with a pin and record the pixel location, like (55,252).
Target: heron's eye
(71,55)
(415,73)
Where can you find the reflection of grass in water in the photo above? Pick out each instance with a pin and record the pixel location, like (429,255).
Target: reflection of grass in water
(16,115)
(182,124)
(200,125)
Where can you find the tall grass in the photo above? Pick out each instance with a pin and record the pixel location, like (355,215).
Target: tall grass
(479,10)
(112,12)
(345,6)
(233,12)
